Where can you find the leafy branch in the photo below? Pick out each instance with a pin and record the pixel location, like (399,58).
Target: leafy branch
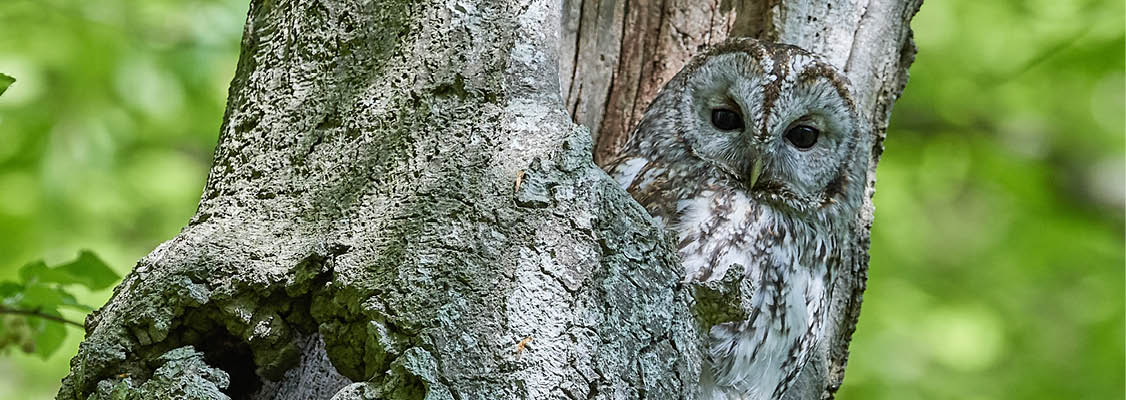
(30,316)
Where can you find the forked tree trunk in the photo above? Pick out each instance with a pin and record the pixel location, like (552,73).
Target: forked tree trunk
(399,198)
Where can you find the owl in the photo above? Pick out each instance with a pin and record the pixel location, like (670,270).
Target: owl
(755,156)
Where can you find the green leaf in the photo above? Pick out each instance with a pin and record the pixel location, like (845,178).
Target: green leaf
(87,270)
(42,297)
(5,81)
(9,289)
(95,273)
(48,335)
(35,271)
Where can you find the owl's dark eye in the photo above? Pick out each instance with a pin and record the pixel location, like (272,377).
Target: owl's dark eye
(726,120)
(802,136)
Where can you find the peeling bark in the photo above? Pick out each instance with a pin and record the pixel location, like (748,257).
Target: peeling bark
(400,206)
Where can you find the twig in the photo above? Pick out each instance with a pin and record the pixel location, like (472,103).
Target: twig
(39,314)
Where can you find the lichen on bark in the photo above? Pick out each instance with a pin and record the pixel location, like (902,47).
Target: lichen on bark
(364,196)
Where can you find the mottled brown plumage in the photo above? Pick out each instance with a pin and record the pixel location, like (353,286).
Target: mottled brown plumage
(768,193)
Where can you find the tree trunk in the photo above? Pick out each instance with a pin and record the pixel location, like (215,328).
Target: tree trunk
(399,198)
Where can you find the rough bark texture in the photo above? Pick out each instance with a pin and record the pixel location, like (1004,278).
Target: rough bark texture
(403,181)
(399,189)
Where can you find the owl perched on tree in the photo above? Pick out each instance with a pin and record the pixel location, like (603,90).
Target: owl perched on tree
(755,156)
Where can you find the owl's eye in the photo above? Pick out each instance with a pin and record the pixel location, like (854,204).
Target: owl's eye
(802,136)
(726,120)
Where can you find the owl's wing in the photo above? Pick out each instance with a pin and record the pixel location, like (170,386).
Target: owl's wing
(647,181)
(625,169)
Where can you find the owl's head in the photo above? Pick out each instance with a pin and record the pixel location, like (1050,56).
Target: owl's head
(777,120)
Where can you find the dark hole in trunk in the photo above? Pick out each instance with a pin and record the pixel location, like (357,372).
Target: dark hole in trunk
(233,356)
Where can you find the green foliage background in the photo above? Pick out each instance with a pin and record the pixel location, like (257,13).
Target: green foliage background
(997,254)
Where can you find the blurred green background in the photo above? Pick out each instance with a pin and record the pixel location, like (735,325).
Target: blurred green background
(997,254)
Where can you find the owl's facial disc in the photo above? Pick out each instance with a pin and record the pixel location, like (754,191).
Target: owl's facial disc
(782,128)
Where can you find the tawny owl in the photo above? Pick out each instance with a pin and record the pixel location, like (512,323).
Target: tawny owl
(755,156)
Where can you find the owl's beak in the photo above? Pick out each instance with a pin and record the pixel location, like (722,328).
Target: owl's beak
(756,172)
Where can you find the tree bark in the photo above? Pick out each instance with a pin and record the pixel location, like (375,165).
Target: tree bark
(400,199)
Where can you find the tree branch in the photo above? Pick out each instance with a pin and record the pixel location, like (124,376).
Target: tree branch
(39,314)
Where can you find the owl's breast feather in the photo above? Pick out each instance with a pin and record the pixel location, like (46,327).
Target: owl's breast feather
(719,229)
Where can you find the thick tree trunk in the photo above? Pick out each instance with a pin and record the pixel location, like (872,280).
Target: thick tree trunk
(400,199)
